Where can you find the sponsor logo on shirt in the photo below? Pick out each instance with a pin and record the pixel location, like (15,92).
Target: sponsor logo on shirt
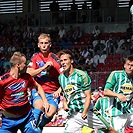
(17,86)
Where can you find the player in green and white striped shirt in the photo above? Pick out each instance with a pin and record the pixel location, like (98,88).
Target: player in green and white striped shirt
(104,107)
(76,85)
(119,86)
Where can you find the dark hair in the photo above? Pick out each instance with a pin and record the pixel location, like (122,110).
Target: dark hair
(66,51)
(130,58)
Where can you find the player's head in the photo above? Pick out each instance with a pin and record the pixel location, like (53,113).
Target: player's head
(18,61)
(66,59)
(128,65)
(44,42)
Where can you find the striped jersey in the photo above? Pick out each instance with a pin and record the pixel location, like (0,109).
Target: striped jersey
(103,106)
(119,82)
(73,87)
(14,95)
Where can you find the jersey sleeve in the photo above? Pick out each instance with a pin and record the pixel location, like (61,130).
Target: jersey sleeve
(86,82)
(97,104)
(31,82)
(111,81)
(56,63)
(32,63)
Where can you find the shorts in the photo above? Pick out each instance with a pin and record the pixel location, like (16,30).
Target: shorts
(25,123)
(51,100)
(75,122)
(128,130)
(34,96)
(123,120)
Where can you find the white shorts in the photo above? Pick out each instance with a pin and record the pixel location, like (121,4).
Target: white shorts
(123,120)
(75,122)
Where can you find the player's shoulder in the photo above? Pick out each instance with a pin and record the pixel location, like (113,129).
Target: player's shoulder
(4,77)
(117,71)
(104,98)
(80,72)
(34,55)
(61,75)
(26,76)
(54,56)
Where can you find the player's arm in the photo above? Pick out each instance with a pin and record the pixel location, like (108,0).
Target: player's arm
(33,72)
(57,93)
(87,103)
(65,106)
(110,93)
(42,94)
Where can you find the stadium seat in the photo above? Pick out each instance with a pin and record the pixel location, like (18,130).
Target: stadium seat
(120,66)
(106,68)
(96,59)
(102,58)
(99,67)
(101,82)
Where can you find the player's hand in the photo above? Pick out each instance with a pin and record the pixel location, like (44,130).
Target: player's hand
(48,65)
(110,130)
(46,106)
(57,93)
(122,97)
(84,116)
(65,107)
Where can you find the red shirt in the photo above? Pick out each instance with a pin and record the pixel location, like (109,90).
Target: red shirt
(47,79)
(14,96)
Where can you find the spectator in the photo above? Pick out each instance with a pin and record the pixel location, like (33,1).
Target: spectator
(73,12)
(129,31)
(62,43)
(77,34)
(85,52)
(97,94)
(62,32)
(54,8)
(84,12)
(69,33)
(96,4)
(59,121)
(96,32)
(6,63)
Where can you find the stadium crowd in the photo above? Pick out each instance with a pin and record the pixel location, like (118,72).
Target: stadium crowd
(15,36)
(89,49)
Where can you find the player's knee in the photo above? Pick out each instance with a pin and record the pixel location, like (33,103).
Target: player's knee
(38,104)
(52,111)
(50,114)
(110,130)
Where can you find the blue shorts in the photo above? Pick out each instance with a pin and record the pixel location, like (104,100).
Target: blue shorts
(25,123)
(51,100)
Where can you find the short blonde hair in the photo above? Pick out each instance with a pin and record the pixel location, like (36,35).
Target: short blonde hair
(16,58)
(43,35)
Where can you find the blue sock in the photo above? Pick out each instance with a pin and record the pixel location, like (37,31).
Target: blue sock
(45,120)
(37,113)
